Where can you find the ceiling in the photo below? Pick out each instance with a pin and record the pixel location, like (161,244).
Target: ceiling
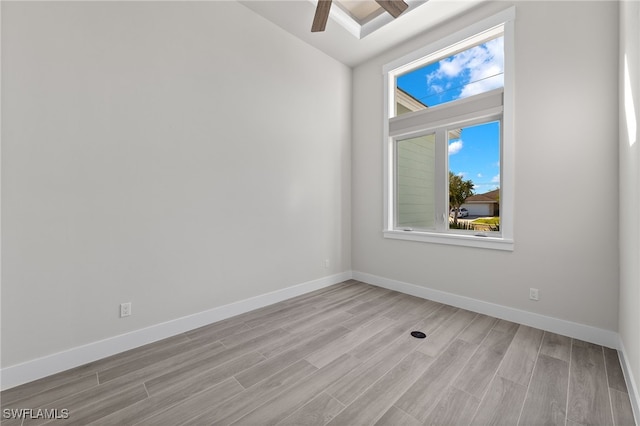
(362,11)
(339,41)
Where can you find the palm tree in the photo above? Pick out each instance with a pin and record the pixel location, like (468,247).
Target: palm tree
(459,190)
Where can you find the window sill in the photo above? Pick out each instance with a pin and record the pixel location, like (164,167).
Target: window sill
(493,243)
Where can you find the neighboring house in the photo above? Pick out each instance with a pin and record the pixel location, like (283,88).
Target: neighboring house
(406,103)
(486,204)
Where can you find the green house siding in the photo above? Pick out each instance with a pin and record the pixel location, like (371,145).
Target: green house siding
(416,182)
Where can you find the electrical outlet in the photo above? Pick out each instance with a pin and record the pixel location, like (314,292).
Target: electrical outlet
(125,309)
(327,263)
(533,294)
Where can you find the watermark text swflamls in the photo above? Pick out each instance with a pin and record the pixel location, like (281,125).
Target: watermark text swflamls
(32,413)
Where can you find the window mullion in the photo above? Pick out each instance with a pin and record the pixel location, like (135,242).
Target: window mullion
(442,184)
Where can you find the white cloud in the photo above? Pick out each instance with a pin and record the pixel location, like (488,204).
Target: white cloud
(482,86)
(480,68)
(455,147)
(437,88)
(486,68)
(495,179)
(479,175)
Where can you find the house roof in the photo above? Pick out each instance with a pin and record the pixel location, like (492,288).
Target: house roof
(487,197)
(409,101)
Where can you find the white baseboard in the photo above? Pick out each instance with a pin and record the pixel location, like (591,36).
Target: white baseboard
(587,333)
(41,367)
(599,336)
(38,368)
(632,386)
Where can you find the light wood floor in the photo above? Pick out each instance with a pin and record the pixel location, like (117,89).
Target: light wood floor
(344,356)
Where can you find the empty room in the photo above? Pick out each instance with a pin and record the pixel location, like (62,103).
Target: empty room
(323,212)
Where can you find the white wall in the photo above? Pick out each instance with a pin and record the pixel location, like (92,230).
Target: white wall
(139,141)
(180,156)
(629,322)
(566,126)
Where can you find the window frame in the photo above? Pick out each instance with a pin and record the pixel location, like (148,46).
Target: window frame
(441,132)
(410,124)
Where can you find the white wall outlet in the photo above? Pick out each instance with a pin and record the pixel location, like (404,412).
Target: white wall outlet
(327,263)
(533,294)
(125,309)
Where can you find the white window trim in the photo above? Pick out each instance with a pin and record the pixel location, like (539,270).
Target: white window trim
(480,30)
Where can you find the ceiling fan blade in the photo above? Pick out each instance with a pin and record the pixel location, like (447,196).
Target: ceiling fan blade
(394,7)
(321,16)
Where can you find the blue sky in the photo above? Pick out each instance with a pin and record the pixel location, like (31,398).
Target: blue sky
(476,155)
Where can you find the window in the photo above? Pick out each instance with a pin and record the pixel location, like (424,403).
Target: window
(448,141)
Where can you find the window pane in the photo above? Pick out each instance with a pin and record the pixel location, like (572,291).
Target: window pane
(416,182)
(474,162)
(470,72)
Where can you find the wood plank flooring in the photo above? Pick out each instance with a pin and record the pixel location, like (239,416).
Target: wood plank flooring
(342,355)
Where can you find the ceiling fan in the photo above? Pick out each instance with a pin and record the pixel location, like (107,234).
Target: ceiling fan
(393,7)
